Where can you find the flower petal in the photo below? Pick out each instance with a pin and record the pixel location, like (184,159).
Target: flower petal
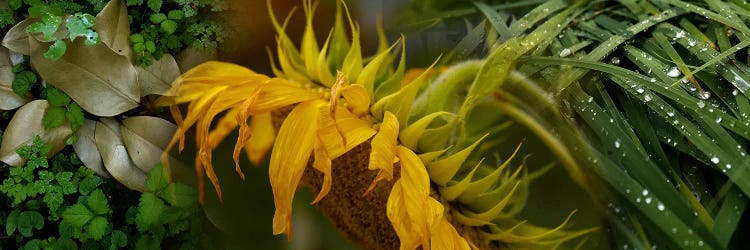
(289,157)
(323,164)
(357,99)
(411,210)
(262,136)
(276,93)
(446,237)
(383,152)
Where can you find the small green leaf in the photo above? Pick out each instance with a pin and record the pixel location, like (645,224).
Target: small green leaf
(169,26)
(97,228)
(56,97)
(23,82)
(136,38)
(47,25)
(11,222)
(55,117)
(150,46)
(89,184)
(77,215)
(72,139)
(180,195)
(56,50)
(79,25)
(176,15)
(98,203)
(150,210)
(157,179)
(119,239)
(139,47)
(28,220)
(157,18)
(155,5)
(74,115)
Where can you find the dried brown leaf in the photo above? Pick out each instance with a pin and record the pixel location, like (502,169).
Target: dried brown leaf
(115,155)
(103,82)
(17,39)
(25,125)
(113,28)
(86,150)
(145,137)
(158,78)
(9,100)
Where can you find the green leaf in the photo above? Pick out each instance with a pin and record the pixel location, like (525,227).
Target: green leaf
(155,5)
(77,215)
(47,25)
(27,221)
(169,26)
(176,15)
(74,115)
(98,203)
(139,47)
(11,222)
(157,18)
(150,46)
(136,38)
(157,179)
(180,195)
(150,210)
(56,50)
(56,97)
(79,25)
(97,228)
(119,239)
(23,82)
(55,117)
(88,184)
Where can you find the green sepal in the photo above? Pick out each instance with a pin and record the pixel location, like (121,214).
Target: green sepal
(443,170)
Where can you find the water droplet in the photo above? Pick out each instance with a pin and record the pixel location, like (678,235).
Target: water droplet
(715,160)
(704,95)
(670,113)
(640,90)
(591,99)
(647,98)
(645,192)
(652,79)
(674,72)
(692,42)
(565,52)
(660,206)
(617,143)
(729,166)
(701,104)
(718,119)
(615,60)
(700,243)
(674,230)
(735,92)
(648,200)
(679,34)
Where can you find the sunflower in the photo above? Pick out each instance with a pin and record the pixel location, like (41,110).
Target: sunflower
(327,104)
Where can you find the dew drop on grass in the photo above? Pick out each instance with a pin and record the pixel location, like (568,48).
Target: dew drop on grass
(729,166)
(704,95)
(691,42)
(648,200)
(718,119)
(660,206)
(617,143)
(701,104)
(715,160)
(647,98)
(565,52)
(645,192)
(640,90)
(674,72)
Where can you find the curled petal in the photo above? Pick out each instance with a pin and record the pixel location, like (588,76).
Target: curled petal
(289,157)
(277,93)
(357,98)
(323,164)
(262,135)
(411,210)
(446,237)
(383,153)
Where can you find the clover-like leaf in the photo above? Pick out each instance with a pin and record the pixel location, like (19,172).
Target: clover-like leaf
(47,25)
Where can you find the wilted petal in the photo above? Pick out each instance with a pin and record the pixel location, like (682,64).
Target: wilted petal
(277,93)
(411,210)
(262,136)
(384,149)
(445,236)
(289,157)
(323,164)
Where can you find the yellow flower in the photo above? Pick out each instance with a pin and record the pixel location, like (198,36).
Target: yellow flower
(325,116)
